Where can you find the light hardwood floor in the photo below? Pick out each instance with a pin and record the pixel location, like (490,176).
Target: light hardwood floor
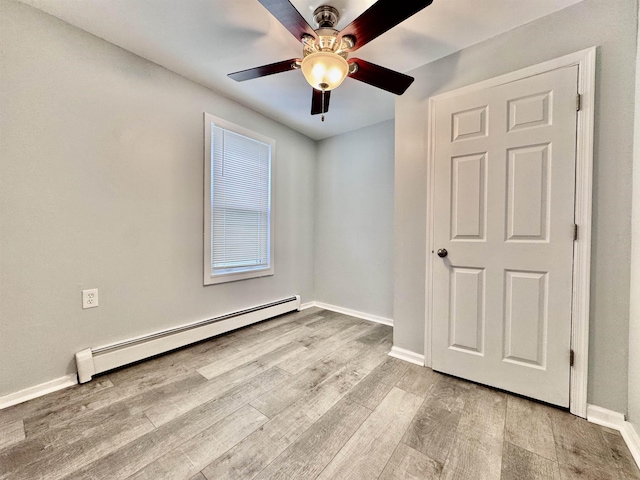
(307,395)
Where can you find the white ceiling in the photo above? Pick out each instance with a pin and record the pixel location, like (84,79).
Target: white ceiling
(205,39)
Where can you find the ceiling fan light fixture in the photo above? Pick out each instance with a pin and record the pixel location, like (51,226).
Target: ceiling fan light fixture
(324,70)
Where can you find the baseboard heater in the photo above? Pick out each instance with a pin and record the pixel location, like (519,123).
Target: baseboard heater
(101,359)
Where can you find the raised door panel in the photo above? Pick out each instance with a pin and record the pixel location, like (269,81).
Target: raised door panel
(528,192)
(466,310)
(468,197)
(469,124)
(530,111)
(525,318)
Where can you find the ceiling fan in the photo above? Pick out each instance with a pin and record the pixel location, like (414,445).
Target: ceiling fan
(325,61)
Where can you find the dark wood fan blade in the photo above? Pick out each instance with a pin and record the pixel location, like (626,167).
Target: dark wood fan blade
(316,102)
(288,16)
(380,17)
(389,80)
(264,70)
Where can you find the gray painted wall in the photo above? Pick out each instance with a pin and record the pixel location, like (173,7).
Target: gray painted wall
(634,310)
(610,25)
(354,220)
(101,174)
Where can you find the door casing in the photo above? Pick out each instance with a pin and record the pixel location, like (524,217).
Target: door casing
(586,62)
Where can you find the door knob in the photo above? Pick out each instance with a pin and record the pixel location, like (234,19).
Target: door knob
(442,252)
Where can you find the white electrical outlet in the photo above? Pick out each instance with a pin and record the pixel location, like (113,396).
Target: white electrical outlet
(90,298)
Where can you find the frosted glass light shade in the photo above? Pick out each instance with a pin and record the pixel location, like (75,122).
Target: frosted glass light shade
(324,70)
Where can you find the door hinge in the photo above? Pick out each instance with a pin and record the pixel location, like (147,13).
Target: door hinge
(575,232)
(572,357)
(578,102)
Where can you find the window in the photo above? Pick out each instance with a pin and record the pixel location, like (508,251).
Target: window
(238,241)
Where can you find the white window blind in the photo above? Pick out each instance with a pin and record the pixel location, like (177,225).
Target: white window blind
(240,202)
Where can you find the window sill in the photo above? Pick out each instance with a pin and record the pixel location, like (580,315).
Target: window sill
(236,276)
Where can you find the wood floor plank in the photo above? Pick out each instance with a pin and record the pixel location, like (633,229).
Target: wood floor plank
(367,452)
(171,365)
(276,400)
(332,323)
(622,456)
(433,429)
(254,453)
(11,432)
(66,460)
(244,356)
(376,335)
(323,348)
(379,383)
(309,319)
(521,464)
(316,335)
(274,322)
(127,460)
(476,452)
(189,458)
(407,463)
(115,399)
(289,317)
(326,366)
(53,401)
(257,337)
(376,354)
(127,383)
(327,325)
(94,428)
(313,451)
(418,380)
(610,430)
(172,406)
(529,425)
(581,448)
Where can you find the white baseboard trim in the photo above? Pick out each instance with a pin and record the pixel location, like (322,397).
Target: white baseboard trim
(353,313)
(38,390)
(616,421)
(605,417)
(407,355)
(304,306)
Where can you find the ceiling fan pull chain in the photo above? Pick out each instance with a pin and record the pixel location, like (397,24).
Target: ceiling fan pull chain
(323,86)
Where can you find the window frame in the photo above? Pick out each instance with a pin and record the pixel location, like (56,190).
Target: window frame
(245,272)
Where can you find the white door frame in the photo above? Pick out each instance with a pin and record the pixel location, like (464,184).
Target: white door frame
(586,62)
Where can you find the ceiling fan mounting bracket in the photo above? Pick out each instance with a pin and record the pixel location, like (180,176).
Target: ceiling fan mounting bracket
(326,16)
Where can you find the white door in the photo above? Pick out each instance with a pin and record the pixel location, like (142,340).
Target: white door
(504,213)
